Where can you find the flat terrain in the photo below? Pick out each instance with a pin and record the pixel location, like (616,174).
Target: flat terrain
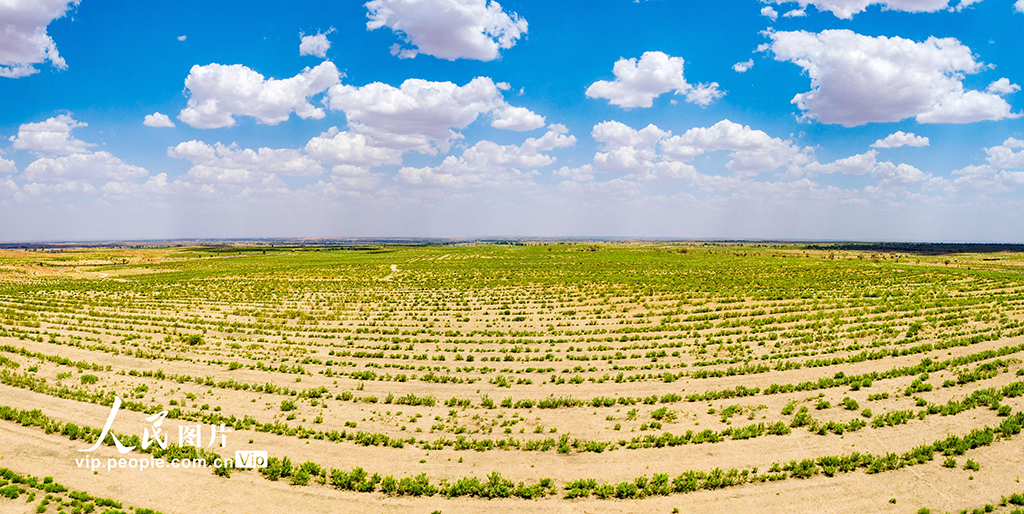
(550,377)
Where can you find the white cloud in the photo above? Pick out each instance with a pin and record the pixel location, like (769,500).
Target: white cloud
(742,67)
(1019,6)
(583,173)
(997,175)
(158,120)
(771,13)
(455,172)
(348,178)
(447,29)
(196,151)
(900,138)
(859,79)
(704,94)
(964,4)
(220,92)
(221,163)
(7,166)
(516,118)
(845,9)
(654,154)
(795,13)
(70,186)
(752,151)
(50,136)
(623,148)
(638,83)
(1003,156)
(1003,86)
(887,172)
(350,149)
(422,115)
(23,38)
(317,45)
(557,136)
(81,167)
(8,186)
(182,38)
(75,167)
(489,155)
(489,164)
(155,185)
(859,164)
(865,163)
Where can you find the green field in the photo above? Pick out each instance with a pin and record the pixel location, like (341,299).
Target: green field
(605,377)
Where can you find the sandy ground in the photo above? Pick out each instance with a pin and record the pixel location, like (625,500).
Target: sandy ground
(186,491)
(29,450)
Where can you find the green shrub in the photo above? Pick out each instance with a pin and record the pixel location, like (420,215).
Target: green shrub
(300,477)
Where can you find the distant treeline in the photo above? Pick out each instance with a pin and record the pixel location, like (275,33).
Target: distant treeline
(922,248)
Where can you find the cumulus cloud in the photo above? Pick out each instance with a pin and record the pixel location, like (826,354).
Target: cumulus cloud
(858,79)
(51,136)
(67,165)
(638,83)
(900,138)
(742,67)
(158,120)
(66,187)
(845,9)
(769,12)
(8,186)
(963,5)
(23,38)
(81,167)
(7,166)
(752,151)
(447,29)
(1001,173)
(866,163)
(516,118)
(651,153)
(339,148)
(887,172)
(219,92)
(489,155)
(557,136)
(583,173)
(348,178)
(1003,156)
(219,163)
(155,185)
(1003,87)
(859,164)
(182,38)
(488,163)
(317,45)
(422,115)
(1019,6)
(623,148)
(795,13)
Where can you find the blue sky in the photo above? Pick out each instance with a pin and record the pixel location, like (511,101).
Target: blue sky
(816,119)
